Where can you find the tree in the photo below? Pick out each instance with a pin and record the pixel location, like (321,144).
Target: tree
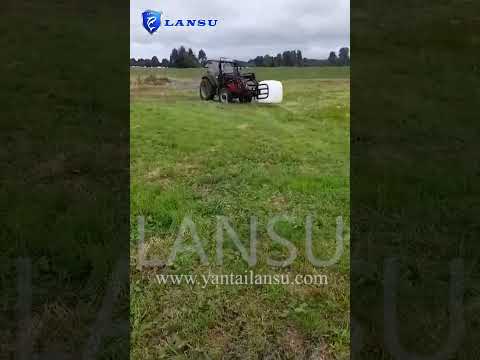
(144,62)
(202,57)
(182,55)
(181,58)
(289,58)
(165,63)
(191,60)
(268,61)
(278,61)
(258,61)
(155,62)
(343,58)
(286,58)
(332,59)
(299,58)
(173,57)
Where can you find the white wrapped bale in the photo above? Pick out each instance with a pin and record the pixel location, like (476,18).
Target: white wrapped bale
(275,92)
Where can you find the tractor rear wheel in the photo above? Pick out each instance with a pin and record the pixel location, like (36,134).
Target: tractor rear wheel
(206,90)
(225,96)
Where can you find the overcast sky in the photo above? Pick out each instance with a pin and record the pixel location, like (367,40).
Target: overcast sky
(246,28)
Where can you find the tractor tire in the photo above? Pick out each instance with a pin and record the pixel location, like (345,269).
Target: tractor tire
(207,92)
(225,96)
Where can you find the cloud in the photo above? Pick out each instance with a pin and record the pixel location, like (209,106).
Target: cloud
(245,29)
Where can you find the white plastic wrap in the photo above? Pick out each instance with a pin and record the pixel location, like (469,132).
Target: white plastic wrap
(275,92)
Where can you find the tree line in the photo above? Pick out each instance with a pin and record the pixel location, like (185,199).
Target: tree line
(183,58)
(295,58)
(179,58)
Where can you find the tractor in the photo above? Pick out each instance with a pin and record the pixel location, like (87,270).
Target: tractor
(225,81)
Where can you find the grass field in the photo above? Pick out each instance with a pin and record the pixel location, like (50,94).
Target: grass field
(202,159)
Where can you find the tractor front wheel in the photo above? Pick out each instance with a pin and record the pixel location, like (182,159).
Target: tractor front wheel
(206,90)
(225,96)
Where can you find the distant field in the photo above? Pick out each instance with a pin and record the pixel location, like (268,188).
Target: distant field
(204,159)
(281,73)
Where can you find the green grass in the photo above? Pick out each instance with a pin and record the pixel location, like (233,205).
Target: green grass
(204,159)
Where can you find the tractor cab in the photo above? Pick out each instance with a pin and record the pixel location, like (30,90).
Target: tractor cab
(217,68)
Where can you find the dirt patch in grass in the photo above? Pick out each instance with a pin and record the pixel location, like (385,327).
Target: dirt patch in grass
(243,126)
(186,169)
(156,81)
(186,84)
(321,353)
(296,346)
(168,89)
(218,341)
(279,203)
(157,176)
(202,190)
(294,343)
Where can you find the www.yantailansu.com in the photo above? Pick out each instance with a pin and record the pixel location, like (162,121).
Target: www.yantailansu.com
(241,279)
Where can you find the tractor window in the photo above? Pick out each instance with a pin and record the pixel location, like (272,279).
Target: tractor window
(212,68)
(227,68)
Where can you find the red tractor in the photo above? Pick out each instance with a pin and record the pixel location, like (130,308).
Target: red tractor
(224,79)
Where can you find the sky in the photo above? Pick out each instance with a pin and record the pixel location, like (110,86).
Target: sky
(245,29)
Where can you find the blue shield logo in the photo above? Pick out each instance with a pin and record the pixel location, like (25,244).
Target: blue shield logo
(151,20)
